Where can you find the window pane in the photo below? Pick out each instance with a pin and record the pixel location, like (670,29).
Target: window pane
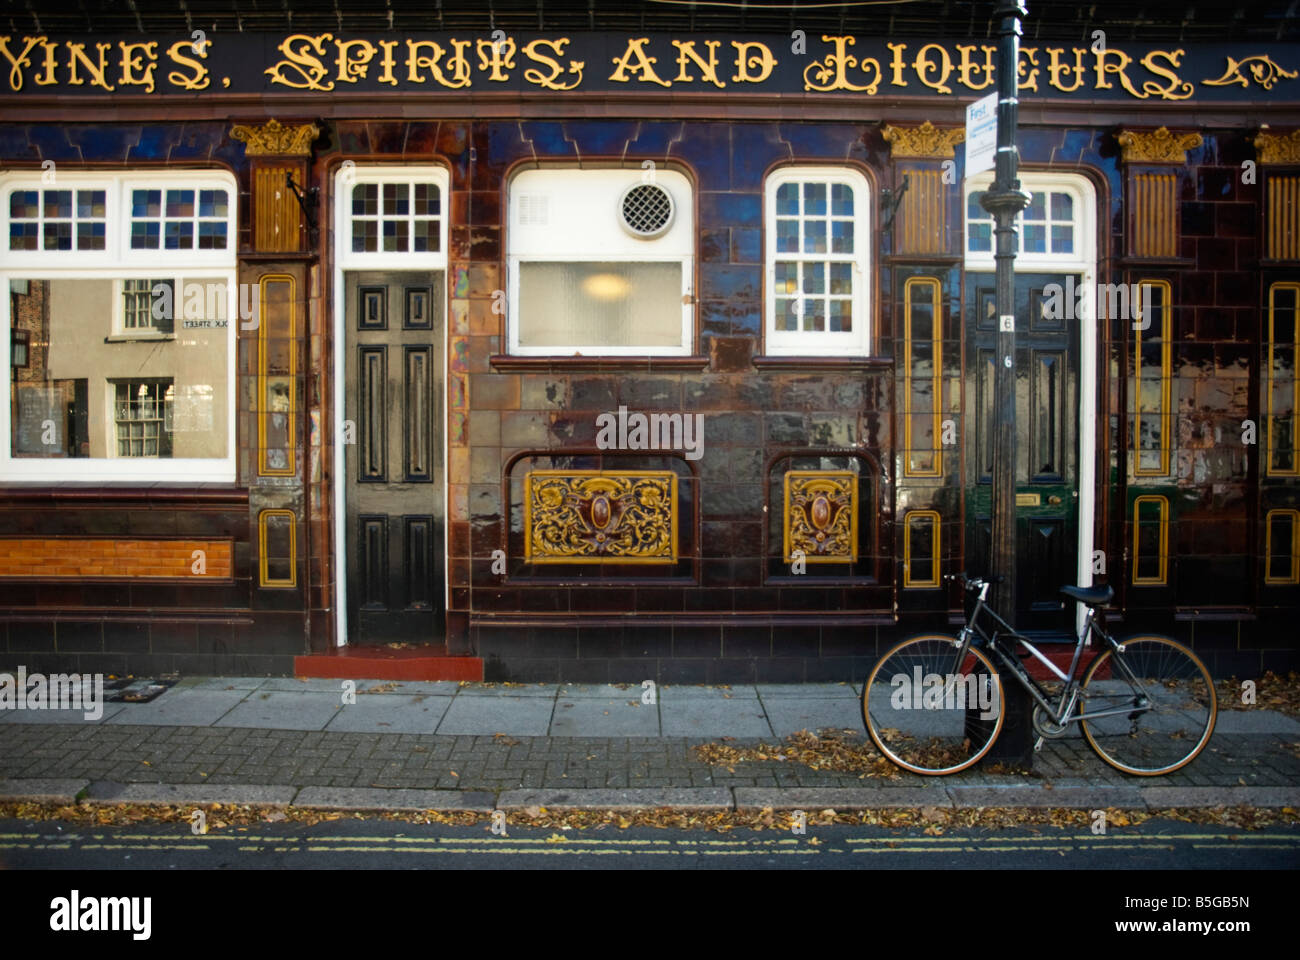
(1062,206)
(841,316)
(1062,239)
(787,236)
(814,236)
(814,199)
(1037,209)
(395,235)
(58,203)
(180,235)
(1035,238)
(80,397)
(785,319)
(427,200)
(973,209)
(593,304)
(24,203)
(397,199)
(787,200)
(212,236)
(365,200)
(58,235)
(146,203)
(842,200)
(213,203)
(180,203)
(787,277)
(842,278)
(814,315)
(90,203)
(814,278)
(841,236)
(365,236)
(427,236)
(980,237)
(22,236)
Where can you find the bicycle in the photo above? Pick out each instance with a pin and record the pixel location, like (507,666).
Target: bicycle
(935,704)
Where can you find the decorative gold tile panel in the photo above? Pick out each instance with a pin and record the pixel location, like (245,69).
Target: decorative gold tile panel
(1277,147)
(924,214)
(1155,215)
(275,139)
(1282,219)
(927,140)
(275,209)
(600,516)
(821,515)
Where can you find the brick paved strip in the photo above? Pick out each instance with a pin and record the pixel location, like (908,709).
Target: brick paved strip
(1162,798)
(696,798)
(372,798)
(839,798)
(41,790)
(184,793)
(1088,798)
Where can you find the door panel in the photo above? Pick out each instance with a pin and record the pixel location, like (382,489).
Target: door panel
(1047,392)
(395,473)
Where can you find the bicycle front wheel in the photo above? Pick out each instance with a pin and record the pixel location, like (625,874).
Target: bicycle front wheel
(929,714)
(1177,719)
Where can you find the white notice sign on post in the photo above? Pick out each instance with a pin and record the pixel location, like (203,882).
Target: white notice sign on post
(981,134)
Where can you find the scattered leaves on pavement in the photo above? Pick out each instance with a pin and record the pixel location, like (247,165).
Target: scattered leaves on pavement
(1271,693)
(830,749)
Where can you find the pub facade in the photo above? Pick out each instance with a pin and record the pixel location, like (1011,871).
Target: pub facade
(539,352)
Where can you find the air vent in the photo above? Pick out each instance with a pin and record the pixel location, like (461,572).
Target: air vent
(646,210)
(534,210)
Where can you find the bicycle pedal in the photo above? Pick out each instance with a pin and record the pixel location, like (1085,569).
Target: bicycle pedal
(1038,745)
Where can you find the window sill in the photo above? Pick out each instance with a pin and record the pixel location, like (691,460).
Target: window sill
(509,363)
(771,362)
(143,337)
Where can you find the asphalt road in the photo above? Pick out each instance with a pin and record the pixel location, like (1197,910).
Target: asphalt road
(368,844)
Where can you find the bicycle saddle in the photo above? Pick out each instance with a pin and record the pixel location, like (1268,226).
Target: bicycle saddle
(1092,596)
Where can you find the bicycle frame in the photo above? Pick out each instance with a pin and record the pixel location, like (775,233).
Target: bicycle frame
(1061,711)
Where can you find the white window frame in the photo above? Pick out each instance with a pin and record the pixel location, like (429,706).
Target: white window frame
(801,343)
(350,176)
(122,332)
(683,217)
(117,261)
(1085,226)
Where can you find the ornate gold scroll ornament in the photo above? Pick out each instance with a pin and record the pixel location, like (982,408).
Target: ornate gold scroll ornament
(275,139)
(821,515)
(1157,146)
(593,516)
(926,141)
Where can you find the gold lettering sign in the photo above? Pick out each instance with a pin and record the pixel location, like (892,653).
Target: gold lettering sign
(600,516)
(323,62)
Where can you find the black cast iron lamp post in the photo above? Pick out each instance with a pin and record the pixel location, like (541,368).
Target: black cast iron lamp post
(1005,199)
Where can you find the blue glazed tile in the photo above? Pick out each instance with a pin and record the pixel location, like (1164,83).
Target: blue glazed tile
(198,140)
(104,142)
(52,143)
(746,318)
(600,137)
(1037,146)
(1074,146)
(746,245)
(155,143)
(821,139)
(715,318)
(655,139)
(707,148)
(731,209)
(14,144)
(718,281)
(715,246)
(547,138)
(754,148)
(504,144)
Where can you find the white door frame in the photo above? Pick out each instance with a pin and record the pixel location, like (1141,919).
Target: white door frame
(1083,262)
(347,261)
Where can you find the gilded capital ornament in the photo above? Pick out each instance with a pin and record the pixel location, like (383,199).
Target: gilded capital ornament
(1277,147)
(926,141)
(1157,146)
(275,139)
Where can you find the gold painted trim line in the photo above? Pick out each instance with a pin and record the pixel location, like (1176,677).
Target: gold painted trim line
(1294,575)
(264,577)
(264,380)
(1269,391)
(1166,382)
(1163,502)
(936,378)
(935,526)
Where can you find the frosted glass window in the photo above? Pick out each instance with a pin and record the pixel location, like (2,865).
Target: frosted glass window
(594,304)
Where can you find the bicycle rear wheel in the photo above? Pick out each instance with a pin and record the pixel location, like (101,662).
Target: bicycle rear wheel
(926,713)
(1177,725)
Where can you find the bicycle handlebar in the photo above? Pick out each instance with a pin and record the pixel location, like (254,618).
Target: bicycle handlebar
(973,583)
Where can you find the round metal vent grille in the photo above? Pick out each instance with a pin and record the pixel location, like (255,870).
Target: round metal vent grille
(646,210)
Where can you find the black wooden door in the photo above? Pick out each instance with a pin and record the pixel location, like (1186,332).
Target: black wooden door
(1047,430)
(393,446)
